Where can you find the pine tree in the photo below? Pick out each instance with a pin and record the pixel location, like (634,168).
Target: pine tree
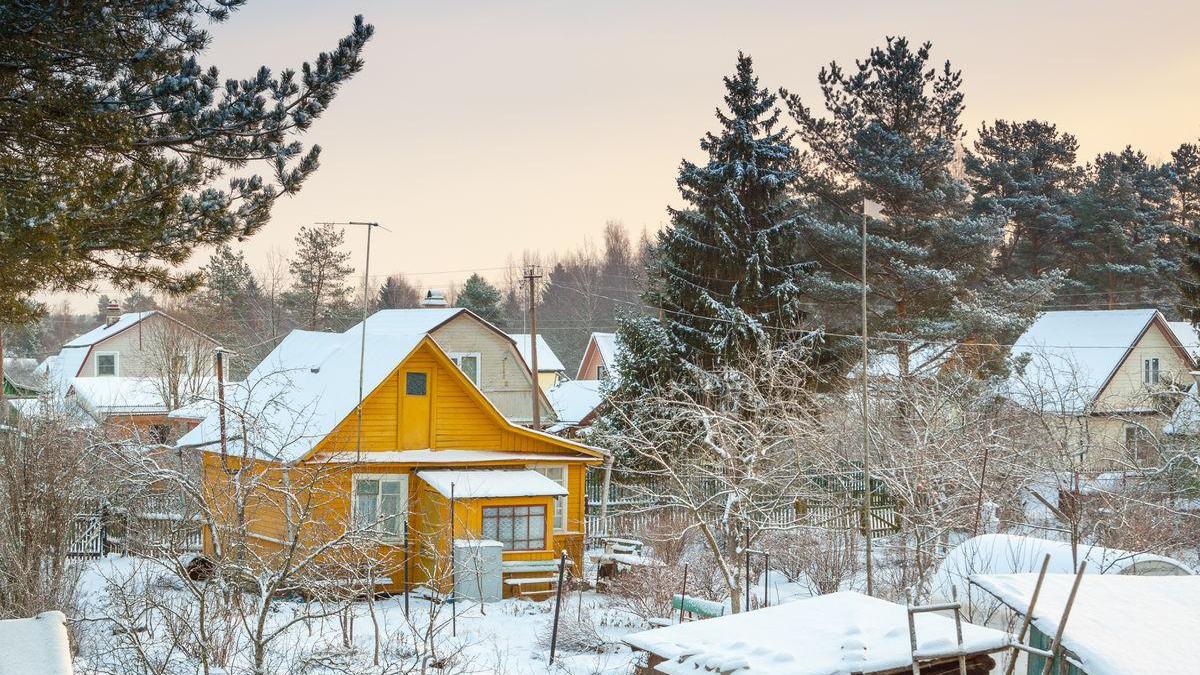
(1025,172)
(319,290)
(102,308)
(398,293)
(231,303)
(121,153)
(891,134)
(1122,250)
(138,301)
(1184,174)
(480,297)
(726,271)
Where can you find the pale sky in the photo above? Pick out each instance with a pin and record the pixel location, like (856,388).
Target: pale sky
(481,129)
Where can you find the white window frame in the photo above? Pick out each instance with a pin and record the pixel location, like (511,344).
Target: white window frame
(402,479)
(457,358)
(1150,371)
(558,519)
(116,363)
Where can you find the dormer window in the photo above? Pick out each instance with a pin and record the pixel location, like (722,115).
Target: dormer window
(106,364)
(1150,371)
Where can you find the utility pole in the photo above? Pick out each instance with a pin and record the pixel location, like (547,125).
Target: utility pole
(532,274)
(866,439)
(219,357)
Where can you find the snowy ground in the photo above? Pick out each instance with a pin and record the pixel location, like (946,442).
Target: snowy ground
(500,637)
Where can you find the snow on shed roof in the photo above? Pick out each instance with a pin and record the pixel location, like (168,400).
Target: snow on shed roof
(448,456)
(37,646)
(1072,354)
(113,395)
(547,360)
(1014,554)
(1119,625)
(106,331)
(491,483)
(834,634)
(574,400)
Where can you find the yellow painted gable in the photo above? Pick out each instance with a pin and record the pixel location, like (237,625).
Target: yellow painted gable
(451,415)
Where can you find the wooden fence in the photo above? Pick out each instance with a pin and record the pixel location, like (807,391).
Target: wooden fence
(150,524)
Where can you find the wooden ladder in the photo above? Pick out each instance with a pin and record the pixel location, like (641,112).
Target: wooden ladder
(1056,643)
(913,611)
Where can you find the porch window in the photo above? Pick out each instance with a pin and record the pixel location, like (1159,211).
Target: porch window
(380,504)
(1150,371)
(1139,443)
(468,364)
(519,528)
(558,474)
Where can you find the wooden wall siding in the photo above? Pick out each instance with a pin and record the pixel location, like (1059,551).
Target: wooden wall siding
(135,344)
(591,359)
(1127,389)
(503,377)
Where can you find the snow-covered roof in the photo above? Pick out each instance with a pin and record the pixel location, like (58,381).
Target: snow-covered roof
(417,321)
(305,387)
(491,483)
(1188,336)
(37,646)
(1015,554)
(116,395)
(1119,625)
(574,400)
(834,634)
(607,344)
(59,370)
(547,360)
(106,331)
(431,456)
(1072,355)
(23,373)
(1185,420)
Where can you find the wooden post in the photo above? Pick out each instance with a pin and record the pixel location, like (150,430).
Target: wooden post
(453,583)
(219,355)
(683,592)
(979,498)
(1037,590)
(562,566)
(407,588)
(747,581)
(1056,648)
(766,579)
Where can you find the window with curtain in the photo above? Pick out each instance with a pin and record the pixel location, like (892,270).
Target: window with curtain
(519,528)
(380,503)
(1150,371)
(558,474)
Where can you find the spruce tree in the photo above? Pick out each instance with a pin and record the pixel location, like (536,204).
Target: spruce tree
(1025,173)
(1122,250)
(726,271)
(891,134)
(120,152)
(320,271)
(1184,174)
(480,297)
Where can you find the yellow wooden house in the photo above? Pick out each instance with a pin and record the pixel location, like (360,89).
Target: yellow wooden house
(425,441)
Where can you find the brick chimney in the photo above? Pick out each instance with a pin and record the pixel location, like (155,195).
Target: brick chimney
(434,298)
(112,313)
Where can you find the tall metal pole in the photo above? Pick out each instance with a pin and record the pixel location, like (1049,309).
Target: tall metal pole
(532,274)
(747,607)
(866,459)
(453,580)
(362,347)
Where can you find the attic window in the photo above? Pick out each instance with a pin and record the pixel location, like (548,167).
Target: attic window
(106,364)
(414,384)
(1150,371)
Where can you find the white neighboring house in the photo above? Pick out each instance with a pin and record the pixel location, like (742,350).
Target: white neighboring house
(1106,377)
(1185,420)
(132,371)
(551,370)
(37,646)
(599,357)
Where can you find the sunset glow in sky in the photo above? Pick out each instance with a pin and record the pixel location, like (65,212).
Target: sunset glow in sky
(481,129)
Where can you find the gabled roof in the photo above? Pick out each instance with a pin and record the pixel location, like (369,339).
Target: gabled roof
(103,332)
(1073,355)
(574,400)
(1188,337)
(833,634)
(607,345)
(1119,625)
(548,361)
(309,384)
(22,373)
